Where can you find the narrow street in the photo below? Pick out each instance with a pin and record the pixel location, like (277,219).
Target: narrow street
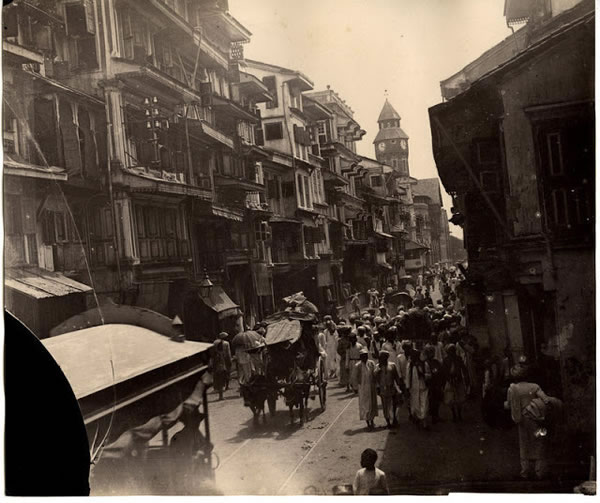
(277,458)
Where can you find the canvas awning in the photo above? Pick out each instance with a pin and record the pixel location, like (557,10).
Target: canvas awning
(101,364)
(284,330)
(41,284)
(220,303)
(85,356)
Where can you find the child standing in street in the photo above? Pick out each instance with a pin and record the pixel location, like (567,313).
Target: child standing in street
(370,480)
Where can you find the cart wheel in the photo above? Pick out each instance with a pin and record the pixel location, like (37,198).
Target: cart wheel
(272,402)
(322,385)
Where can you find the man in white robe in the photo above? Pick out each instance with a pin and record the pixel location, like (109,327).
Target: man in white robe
(367,392)
(331,344)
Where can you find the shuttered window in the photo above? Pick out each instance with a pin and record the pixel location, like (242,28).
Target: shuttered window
(271,84)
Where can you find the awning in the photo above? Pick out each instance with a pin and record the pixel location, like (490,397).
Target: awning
(284,330)
(220,303)
(283,220)
(88,357)
(41,284)
(383,235)
(228,213)
(413,245)
(233,109)
(141,180)
(62,87)
(17,168)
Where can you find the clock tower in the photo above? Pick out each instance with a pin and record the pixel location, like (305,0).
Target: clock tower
(391,143)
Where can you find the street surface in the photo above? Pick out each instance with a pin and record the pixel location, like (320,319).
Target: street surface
(277,458)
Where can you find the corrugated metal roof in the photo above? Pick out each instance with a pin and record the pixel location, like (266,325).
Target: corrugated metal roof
(42,284)
(85,355)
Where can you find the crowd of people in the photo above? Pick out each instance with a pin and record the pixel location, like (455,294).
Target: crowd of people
(415,362)
(421,357)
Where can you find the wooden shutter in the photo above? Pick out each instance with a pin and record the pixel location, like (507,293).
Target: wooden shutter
(70,139)
(89,16)
(259,137)
(288,189)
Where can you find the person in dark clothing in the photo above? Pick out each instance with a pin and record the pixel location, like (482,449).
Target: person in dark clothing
(456,382)
(435,383)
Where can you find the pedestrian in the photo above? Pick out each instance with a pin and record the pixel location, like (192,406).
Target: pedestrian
(221,364)
(367,393)
(456,380)
(383,314)
(418,377)
(342,349)
(370,480)
(331,346)
(387,378)
(533,411)
(355,302)
(390,343)
(373,297)
(435,383)
(352,358)
(244,364)
(403,360)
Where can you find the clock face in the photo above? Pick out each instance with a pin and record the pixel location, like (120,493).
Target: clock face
(403,144)
(381,146)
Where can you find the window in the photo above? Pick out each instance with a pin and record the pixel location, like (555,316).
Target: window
(9,131)
(81,28)
(80,19)
(394,163)
(560,211)
(488,152)
(324,132)
(308,192)
(404,166)
(566,156)
(262,237)
(54,228)
(13,223)
(160,232)
(300,188)
(376,181)
(305,191)
(489,181)
(273,131)
(271,84)
(555,158)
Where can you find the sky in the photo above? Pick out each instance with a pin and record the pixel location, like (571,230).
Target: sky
(365,48)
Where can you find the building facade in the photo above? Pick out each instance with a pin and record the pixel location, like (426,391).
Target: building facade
(141,117)
(514,146)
